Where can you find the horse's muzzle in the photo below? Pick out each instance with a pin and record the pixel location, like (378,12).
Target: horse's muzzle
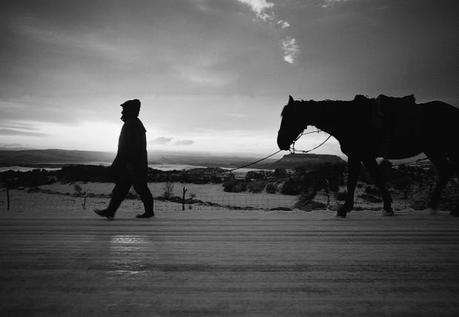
(282,142)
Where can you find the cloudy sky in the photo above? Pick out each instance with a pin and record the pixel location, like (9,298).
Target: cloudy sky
(212,75)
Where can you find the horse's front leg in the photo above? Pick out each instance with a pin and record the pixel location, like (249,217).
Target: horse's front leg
(375,174)
(354,166)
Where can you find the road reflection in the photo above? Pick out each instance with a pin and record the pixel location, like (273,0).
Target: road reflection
(127,255)
(126,242)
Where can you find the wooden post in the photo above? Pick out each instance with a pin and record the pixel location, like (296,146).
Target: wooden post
(7,198)
(184,189)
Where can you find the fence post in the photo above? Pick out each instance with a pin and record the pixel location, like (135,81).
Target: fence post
(7,198)
(184,189)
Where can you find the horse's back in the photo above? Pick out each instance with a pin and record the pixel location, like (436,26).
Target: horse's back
(440,127)
(400,126)
(440,109)
(409,128)
(441,116)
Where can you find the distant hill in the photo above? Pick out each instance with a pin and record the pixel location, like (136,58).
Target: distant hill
(308,161)
(56,157)
(51,157)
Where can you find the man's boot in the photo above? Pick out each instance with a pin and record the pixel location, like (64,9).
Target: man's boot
(109,214)
(149,206)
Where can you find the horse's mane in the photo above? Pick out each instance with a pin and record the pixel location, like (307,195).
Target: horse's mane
(365,99)
(361,100)
(385,99)
(406,99)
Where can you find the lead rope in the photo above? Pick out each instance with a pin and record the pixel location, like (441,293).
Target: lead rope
(253,163)
(292,150)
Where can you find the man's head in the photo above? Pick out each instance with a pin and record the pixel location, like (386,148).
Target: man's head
(131,109)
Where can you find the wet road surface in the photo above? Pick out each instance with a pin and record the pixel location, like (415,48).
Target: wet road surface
(231,264)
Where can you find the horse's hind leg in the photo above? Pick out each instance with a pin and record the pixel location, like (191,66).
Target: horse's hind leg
(454,159)
(443,167)
(375,173)
(453,156)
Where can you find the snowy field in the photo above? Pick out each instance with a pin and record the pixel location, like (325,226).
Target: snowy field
(67,201)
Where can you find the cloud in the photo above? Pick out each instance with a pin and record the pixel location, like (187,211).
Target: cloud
(13,146)
(165,141)
(16,132)
(161,140)
(202,5)
(17,125)
(290,49)
(236,115)
(264,10)
(203,76)
(328,3)
(260,7)
(184,142)
(283,24)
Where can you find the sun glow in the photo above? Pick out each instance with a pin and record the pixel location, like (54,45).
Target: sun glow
(87,135)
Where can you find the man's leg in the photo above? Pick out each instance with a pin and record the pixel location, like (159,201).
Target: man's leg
(119,192)
(144,192)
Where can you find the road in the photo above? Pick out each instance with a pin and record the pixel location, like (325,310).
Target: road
(231,263)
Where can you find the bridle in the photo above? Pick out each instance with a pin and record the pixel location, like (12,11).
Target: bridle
(293,150)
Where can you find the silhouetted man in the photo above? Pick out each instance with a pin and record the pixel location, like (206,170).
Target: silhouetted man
(130,166)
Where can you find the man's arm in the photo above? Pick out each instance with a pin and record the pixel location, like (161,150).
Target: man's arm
(130,146)
(120,158)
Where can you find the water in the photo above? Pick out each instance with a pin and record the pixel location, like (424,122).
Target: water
(162,167)
(26,168)
(171,167)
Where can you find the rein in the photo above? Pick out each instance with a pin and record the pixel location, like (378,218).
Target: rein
(292,150)
(253,163)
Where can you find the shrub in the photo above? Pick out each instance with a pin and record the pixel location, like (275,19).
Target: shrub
(271,188)
(235,186)
(341,195)
(328,177)
(292,187)
(131,195)
(256,186)
(168,190)
(386,169)
(305,202)
(370,198)
(14,179)
(333,174)
(372,190)
(280,173)
(79,190)
(254,175)
(85,173)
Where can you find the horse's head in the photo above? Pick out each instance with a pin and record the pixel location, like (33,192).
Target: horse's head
(292,124)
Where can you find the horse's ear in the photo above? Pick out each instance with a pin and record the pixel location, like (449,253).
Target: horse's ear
(290,99)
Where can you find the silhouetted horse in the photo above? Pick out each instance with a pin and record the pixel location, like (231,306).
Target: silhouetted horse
(387,127)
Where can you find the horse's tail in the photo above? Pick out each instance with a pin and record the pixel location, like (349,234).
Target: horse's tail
(441,128)
(452,148)
(454,161)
